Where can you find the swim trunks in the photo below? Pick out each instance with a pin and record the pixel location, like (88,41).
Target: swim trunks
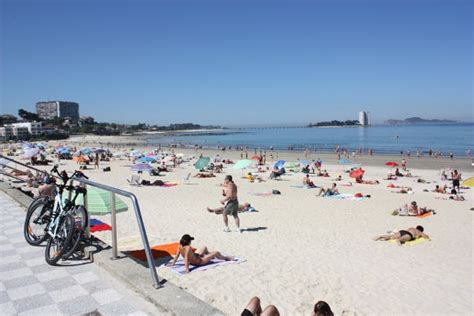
(404,232)
(232,207)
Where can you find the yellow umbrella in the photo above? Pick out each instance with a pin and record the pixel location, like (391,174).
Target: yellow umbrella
(468,183)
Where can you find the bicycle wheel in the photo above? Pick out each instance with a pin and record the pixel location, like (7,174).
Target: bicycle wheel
(37,220)
(81,219)
(57,245)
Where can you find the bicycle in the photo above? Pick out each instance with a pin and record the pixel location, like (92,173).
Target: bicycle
(63,223)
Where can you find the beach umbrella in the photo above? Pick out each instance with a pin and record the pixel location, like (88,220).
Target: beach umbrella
(202,162)
(357,173)
(391,164)
(279,164)
(142,167)
(304,163)
(146,159)
(31,153)
(344,161)
(290,165)
(244,163)
(98,202)
(468,182)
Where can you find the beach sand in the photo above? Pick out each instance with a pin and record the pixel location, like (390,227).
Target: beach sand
(300,248)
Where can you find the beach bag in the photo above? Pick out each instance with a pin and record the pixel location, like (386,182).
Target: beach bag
(276,192)
(106,169)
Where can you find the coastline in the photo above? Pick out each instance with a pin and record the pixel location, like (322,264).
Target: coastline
(377,160)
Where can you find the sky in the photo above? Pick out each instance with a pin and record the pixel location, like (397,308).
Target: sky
(239,62)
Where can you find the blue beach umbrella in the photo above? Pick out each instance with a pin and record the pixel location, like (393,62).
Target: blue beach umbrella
(279,164)
(146,159)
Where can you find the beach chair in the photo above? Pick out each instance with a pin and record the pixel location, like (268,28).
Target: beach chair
(135,180)
(186,178)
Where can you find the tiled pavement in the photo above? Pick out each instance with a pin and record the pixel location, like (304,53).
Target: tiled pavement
(29,286)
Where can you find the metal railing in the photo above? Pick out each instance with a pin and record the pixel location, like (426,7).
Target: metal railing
(113,191)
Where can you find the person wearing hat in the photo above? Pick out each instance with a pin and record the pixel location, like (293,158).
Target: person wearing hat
(199,257)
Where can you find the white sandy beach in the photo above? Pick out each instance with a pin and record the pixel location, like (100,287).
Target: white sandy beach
(300,248)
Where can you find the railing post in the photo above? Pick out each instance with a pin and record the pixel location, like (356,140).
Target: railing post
(114,226)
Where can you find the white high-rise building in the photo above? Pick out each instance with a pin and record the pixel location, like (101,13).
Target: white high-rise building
(364,118)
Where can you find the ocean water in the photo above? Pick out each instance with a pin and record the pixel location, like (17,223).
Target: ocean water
(456,138)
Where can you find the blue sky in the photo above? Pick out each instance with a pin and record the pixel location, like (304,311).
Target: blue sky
(239,62)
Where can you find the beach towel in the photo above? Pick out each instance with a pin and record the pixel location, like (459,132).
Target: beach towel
(345,196)
(261,193)
(159,251)
(411,242)
(169,184)
(98,226)
(180,269)
(303,187)
(425,215)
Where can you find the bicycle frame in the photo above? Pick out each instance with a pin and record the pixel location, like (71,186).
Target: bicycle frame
(53,225)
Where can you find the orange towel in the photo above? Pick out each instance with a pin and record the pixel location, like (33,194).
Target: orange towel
(159,251)
(424,215)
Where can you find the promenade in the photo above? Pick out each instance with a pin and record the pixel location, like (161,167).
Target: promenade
(29,286)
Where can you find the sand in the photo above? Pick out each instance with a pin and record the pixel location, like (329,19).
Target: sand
(300,248)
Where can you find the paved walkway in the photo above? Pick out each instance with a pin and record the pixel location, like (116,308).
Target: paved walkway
(29,286)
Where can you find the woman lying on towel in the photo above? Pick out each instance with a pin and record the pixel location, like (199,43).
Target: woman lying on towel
(154,183)
(359,180)
(200,257)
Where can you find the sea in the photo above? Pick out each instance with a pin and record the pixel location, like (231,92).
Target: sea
(382,139)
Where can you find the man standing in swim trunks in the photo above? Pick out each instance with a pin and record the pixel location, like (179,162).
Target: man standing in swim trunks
(231,203)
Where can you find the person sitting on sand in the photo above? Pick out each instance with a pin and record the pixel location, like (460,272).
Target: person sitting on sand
(405,235)
(252,178)
(200,257)
(390,176)
(443,189)
(307,182)
(254,308)
(329,191)
(412,210)
(277,173)
(398,173)
(204,175)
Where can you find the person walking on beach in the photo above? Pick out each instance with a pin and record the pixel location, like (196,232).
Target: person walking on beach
(96,161)
(230,202)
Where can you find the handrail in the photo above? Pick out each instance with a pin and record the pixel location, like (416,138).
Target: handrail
(138,215)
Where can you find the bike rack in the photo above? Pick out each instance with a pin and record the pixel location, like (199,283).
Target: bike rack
(113,191)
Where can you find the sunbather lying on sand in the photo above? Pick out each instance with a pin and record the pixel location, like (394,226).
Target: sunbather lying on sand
(329,191)
(246,207)
(404,190)
(359,180)
(200,257)
(154,183)
(405,235)
(204,175)
(457,197)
